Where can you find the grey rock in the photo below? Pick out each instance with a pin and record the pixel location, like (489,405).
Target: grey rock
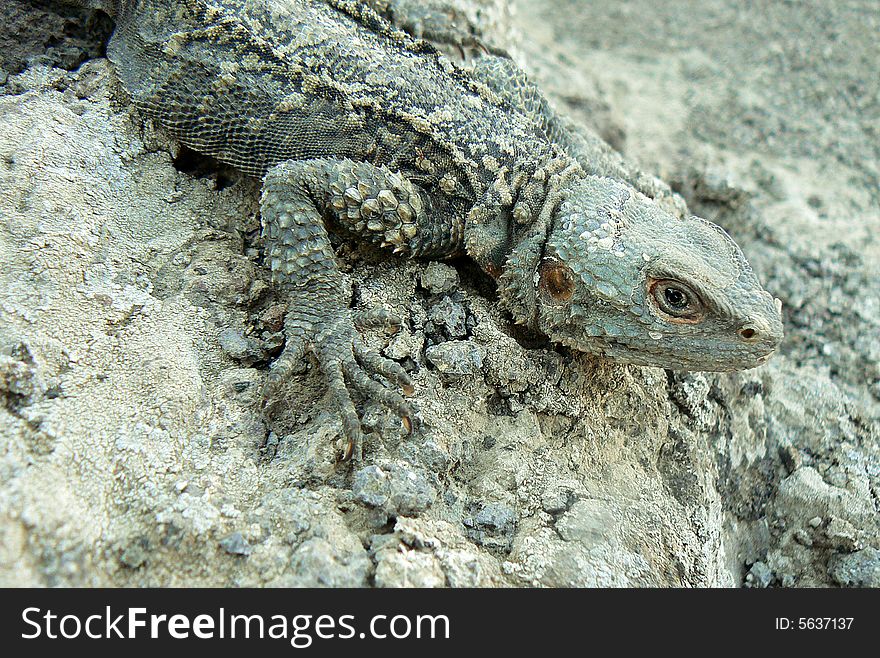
(235,544)
(33,35)
(136,554)
(759,575)
(860,569)
(456,358)
(449,317)
(234,344)
(492,525)
(396,488)
(805,494)
(439,278)
(842,535)
(400,566)
(318,563)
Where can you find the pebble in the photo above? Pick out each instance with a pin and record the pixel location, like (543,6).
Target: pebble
(439,278)
(235,544)
(450,317)
(396,488)
(456,357)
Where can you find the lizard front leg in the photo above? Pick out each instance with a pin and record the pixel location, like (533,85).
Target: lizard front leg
(364,200)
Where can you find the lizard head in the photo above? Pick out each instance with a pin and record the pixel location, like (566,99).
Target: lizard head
(617,275)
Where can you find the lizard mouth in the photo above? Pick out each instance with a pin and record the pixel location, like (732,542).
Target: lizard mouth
(710,360)
(761,360)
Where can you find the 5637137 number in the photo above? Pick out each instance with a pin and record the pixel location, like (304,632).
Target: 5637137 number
(814,623)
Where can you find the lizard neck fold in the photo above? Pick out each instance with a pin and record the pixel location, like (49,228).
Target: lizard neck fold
(517,205)
(533,212)
(516,284)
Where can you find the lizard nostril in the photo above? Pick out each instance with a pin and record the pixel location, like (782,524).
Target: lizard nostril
(748,333)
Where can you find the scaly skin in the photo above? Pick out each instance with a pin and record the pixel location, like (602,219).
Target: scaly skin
(356,126)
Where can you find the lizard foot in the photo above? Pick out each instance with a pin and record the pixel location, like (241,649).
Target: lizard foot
(348,367)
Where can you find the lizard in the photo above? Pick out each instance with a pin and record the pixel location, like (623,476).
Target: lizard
(358,128)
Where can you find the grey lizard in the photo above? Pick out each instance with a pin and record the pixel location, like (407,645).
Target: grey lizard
(356,126)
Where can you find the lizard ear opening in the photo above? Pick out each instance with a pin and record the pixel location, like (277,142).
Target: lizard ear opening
(555,280)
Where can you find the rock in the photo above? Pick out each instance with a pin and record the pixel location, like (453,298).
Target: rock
(136,554)
(842,535)
(804,495)
(492,525)
(395,488)
(439,278)
(791,457)
(456,358)
(860,569)
(235,544)
(399,566)
(449,318)
(759,575)
(234,344)
(65,37)
(318,563)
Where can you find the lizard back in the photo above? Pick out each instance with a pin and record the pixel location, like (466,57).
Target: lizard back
(257,82)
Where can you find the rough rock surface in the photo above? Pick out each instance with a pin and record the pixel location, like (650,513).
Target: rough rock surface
(136,325)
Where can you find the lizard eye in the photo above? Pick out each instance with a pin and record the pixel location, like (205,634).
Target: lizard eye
(676,300)
(555,280)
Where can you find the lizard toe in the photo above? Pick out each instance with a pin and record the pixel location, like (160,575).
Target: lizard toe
(377,318)
(373,390)
(351,422)
(291,360)
(390,370)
